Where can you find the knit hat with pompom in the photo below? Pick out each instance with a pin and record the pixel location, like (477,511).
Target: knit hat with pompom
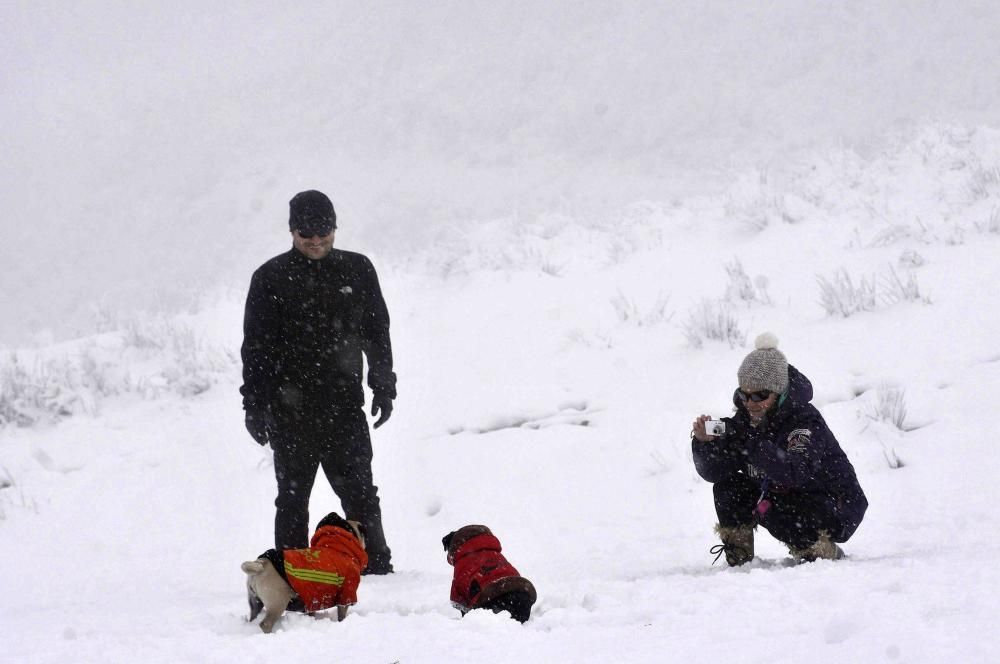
(764,368)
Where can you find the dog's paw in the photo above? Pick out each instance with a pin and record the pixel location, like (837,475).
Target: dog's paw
(268,623)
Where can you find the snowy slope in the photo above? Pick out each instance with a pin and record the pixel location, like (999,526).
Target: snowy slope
(564,201)
(150,148)
(547,385)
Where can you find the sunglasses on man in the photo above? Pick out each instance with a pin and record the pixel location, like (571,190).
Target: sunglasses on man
(308,234)
(756,397)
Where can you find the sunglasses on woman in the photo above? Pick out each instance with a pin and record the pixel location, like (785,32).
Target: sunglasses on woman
(756,397)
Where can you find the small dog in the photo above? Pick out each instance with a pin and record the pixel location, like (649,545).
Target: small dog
(325,575)
(483,578)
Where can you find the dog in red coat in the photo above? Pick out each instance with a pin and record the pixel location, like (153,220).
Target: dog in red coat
(483,578)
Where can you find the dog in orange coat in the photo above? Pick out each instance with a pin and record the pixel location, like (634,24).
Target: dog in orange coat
(324,575)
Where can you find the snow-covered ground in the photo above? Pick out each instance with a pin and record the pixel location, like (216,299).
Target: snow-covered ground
(552,352)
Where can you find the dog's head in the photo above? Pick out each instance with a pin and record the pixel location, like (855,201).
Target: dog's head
(457,538)
(356,528)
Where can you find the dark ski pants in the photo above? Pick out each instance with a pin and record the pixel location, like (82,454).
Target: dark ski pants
(795,518)
(340,444)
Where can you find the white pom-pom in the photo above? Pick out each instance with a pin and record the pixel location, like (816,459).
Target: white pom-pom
(766,341)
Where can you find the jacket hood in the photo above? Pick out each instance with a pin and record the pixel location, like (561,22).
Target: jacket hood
(800,389)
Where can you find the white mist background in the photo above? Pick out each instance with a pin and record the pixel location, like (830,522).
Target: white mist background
(150,151)
(581,214)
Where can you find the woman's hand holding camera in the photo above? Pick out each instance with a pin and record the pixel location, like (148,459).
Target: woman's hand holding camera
(705,429)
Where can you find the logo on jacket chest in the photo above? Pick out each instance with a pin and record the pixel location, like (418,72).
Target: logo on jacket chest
(798,440)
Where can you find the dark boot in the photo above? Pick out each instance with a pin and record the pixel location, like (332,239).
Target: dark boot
(737,544)
(823,548)
(379,555)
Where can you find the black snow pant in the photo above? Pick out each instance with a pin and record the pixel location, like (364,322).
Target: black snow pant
(795,518)
(341,445)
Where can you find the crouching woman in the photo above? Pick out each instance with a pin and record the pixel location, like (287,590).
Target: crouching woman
(777,465)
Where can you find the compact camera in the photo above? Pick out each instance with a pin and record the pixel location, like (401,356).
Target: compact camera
(715,427)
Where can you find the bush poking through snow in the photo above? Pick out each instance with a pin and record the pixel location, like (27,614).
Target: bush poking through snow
(713,320)
(596,339)
(11,494)
(44,390)
(630,312)
(755,201)
(991,225)
(893,234)
(741,289)
(841,296)
(896,290)
(889,406)
(149,358)
(5,479)
(910,259)
(891,458)
(984,182)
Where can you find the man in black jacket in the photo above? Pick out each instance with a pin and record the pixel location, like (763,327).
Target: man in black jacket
(777,465)
(311,313)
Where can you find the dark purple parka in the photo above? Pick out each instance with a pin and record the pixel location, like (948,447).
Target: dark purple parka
(794,451)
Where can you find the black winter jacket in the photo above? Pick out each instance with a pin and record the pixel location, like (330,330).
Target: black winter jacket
(307,323)
(793,451)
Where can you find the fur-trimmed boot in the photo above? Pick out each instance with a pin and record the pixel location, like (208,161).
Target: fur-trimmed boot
(737,544)
(823,548)
(266,588)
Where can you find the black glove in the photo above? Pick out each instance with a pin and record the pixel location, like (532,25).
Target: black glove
(258,423)
(381,404)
